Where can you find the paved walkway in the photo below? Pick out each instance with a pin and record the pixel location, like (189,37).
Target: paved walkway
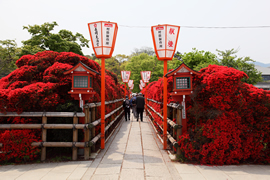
(133,152)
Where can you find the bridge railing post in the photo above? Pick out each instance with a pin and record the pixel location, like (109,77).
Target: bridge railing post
(44,138)
(86,134)
(179,130)
(75,139)
(93,132)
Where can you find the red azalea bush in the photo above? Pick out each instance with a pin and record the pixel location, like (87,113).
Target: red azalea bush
(40,85)
(228,121)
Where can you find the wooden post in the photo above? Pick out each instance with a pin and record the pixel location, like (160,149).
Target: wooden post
(179,131)
(93,132)
(44,138)
(86,134)
(75,139)
(174,130)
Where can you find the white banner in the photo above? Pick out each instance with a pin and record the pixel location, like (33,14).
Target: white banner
(183,110)
(125,76)
(142,83)
(130,83)
(146,75)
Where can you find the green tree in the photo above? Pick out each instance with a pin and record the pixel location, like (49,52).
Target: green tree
(228,58)
(43,39)
(114,64)
(8,56)
(196,59)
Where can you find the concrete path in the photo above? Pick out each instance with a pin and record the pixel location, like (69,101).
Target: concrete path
(133,152)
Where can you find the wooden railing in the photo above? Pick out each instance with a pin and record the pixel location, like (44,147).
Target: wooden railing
(173,128)
(89,127)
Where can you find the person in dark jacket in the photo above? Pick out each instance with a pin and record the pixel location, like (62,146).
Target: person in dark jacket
(140,102)
(126,106)
(134,109)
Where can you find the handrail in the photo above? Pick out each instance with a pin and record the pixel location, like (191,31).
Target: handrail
(97,137)
(95,123)
(88,115)
(171,139)
(172,105)
(169,121)
(40,114)
(91,105)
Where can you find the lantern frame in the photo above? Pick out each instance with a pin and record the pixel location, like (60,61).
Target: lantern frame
(130,83)
(105,23)
(145,80)
(126,80)
(142,83)
(166,48)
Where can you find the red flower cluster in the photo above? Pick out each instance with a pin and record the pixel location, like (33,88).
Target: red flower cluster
(39,84)
(228,121)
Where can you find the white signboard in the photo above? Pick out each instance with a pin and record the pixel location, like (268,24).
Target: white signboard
(146,75)
(125,76)
(165,39)
(142,83)
(141,88)
(130,83)
(183,110)
(102,36)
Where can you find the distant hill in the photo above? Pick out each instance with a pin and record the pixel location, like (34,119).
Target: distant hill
(262,64)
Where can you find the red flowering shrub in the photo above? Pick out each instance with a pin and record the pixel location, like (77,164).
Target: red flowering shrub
(228,121)
(39,84)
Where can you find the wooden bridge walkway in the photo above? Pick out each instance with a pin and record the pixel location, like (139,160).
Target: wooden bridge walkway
(133,152)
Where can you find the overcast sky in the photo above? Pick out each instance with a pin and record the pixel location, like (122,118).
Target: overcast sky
(134,19)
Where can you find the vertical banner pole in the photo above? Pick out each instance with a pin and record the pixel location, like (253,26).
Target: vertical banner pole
(165,106)
(146,102)
(102,137)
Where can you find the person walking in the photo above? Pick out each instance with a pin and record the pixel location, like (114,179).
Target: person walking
(134,108)
(126,106)
(140,102)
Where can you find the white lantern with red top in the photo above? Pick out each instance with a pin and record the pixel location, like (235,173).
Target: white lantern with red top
(142,83)
(165,40)
(125,76)
(103,36)
(146,75)
(130,83)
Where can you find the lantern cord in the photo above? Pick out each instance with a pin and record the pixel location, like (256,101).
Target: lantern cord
(205,27)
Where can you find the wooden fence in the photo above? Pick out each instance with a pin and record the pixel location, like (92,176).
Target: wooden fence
(90,137)
(174,129)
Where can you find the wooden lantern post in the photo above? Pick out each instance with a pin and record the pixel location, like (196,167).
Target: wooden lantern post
(182,86)
(103,36)
(165,40)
